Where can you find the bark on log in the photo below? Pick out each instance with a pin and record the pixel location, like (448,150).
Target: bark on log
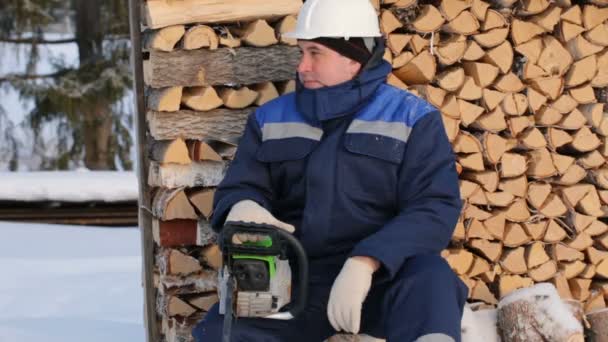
(219,124)
(245,65)
(206,173)
(537,314)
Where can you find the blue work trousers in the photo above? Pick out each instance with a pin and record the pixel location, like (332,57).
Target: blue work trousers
(422,303)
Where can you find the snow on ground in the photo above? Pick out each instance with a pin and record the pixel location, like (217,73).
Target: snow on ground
(70,186)
(70,284)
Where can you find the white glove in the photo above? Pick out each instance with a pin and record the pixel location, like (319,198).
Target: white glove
(347,295)
(250,212)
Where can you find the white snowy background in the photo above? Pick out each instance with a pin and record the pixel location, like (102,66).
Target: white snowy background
(63,283)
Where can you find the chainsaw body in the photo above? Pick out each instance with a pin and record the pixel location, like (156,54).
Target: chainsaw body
(256,278)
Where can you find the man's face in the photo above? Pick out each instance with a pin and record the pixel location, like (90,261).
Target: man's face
(321,66)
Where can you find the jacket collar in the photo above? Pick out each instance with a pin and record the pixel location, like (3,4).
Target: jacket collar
(345,98)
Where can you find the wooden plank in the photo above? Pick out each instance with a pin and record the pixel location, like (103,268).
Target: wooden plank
(203,67)
(161,13)
(219,124)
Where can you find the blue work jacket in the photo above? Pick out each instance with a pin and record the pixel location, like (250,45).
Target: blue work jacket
(362,168)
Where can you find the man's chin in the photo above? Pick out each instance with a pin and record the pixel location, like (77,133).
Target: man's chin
(312,85)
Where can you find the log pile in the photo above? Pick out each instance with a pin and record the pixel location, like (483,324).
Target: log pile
(521,89)
(207,66)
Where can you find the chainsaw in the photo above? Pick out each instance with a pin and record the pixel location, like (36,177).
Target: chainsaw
(255,279)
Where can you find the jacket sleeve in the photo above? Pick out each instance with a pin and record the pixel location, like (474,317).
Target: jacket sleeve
(246,177)
(428,198)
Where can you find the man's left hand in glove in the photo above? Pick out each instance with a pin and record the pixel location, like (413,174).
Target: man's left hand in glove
(349,291)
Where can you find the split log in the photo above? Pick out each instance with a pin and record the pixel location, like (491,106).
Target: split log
(515,235)
(199,150)
(492,98)
(569,31)
(238,98)
(509,283)
(170,151)
(543,272)
(469,112)
(490,250)
(579,288)
(204,173)
(452,8)
(548,19)
(164,39)
(513,261)
(512,165)
(465,23)
(487,179)
(564,104)
(402,60)
(531,49)
(536,100)
(481,292)
(396,42)
(531,7)
(266,92)
(388,22)
(460,260)
(451,50)
(420,70)
(581,71)
(572,269)
(201,98)
(593,16)
(451,79)
(257,33)
(598,35)
(554,233)
(500,56)
(493,19)
(573,15)
(218,124)
(473,51)
(549,86)
(212,256)
(524,315)
(286,87)
(202,201)
(583,94)
(469,90)
(518,186)
(492,38)
(246,65)
(173,262)
(580,47)
(170,204)
(200,36)
(483,74)
(429,19)
(523,31)
(509,83)
(164,99)
(479,8)
(286,24)
(160,13)
(554,59)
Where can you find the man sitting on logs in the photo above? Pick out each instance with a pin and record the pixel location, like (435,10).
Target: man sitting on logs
(362,173)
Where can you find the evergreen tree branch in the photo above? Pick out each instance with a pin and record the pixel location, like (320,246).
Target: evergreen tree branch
(15,77)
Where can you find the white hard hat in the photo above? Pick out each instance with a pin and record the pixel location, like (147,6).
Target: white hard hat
(336,19)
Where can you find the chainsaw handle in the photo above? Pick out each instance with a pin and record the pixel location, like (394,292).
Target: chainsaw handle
(302,296)
(276,234)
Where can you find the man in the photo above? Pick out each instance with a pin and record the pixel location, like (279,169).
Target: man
(364,176)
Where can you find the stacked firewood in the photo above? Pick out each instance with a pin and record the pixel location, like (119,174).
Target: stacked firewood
(208,65)
(521,88)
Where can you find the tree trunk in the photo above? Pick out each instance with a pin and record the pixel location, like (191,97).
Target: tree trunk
(97,121)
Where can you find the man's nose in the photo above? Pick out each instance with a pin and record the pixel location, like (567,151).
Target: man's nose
(304,65)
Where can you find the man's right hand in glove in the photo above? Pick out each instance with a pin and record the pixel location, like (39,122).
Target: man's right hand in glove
(249,211)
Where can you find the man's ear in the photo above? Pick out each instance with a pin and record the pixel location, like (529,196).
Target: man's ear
(353,67)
